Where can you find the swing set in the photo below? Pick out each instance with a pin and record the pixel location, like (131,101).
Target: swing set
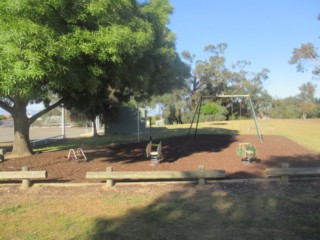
(200,102)
(245,150)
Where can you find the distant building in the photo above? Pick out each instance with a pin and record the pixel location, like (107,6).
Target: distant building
(7,116)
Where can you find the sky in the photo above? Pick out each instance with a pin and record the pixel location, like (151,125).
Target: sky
(263,32)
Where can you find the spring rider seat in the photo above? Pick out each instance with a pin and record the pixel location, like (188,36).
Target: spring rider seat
(247,151)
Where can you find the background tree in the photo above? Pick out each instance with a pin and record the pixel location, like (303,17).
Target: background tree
(284,108)
(306,57)
(306,98)
(212,77)
(175,107)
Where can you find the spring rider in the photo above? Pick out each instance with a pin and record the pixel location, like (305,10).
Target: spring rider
(247,151)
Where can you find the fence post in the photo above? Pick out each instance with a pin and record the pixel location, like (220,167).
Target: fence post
(1,154)
(109,182)
(285,179)
(25,182)
(202,181)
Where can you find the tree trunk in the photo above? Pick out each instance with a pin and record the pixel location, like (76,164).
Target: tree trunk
(21,143)
(304,116)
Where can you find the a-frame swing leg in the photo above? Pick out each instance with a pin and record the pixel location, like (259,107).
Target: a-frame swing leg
(194,115)
(197,111)
(255,120)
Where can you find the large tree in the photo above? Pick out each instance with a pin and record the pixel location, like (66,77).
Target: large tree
(212,77)
(72,49)
(156,72)
(306,57)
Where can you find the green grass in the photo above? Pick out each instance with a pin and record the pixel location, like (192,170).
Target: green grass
(220,211)
(303,132)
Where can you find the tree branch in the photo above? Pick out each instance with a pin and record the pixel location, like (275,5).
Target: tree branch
(6,107)
(48,109)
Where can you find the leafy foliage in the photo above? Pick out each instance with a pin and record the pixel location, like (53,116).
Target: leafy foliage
(306,57)
(90,54)
(209,109)
(307,103)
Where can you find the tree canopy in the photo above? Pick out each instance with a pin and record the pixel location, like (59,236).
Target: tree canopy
(306,57)
(77,49)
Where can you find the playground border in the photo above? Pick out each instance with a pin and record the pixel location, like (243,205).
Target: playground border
(191,182)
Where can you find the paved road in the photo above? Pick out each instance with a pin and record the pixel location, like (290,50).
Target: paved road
(6,133)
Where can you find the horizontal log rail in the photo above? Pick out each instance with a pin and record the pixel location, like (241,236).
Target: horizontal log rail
(285,171)
(292,171)
(201,175)
(25,175)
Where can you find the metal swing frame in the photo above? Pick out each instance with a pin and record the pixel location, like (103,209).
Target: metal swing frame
(198,108)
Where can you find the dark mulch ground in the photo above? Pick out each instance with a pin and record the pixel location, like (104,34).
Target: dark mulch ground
(179,153)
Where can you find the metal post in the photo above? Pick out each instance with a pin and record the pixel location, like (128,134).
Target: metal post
(97,124)
(63,127)
(150,136)
(138,124)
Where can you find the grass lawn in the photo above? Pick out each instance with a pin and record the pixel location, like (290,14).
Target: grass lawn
(304,132)
(249,210)
(215,211)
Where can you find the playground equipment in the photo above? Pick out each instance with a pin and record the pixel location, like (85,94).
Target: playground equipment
(78,154)
(154,151)
(198,108)
(247,151)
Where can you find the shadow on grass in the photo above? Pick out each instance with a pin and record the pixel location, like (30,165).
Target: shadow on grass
(233,211)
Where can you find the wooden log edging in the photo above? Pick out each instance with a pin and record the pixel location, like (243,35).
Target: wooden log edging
(25,175)
(201,175)
(285,171)
(292,171)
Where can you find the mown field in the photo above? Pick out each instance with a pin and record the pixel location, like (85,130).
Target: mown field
(243,210)
(305,132)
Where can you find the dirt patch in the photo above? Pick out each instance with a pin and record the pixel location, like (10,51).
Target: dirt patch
(179,153)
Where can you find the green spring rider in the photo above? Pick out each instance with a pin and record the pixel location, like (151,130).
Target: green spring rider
(247,151)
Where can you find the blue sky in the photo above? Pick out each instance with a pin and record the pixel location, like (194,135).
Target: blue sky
(264,32)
